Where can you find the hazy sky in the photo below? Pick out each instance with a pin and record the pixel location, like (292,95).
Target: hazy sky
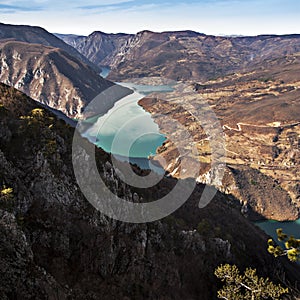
(208,16)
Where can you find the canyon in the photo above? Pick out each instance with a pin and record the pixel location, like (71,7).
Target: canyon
(233,111)
(258,112)
(250,83)
(55,245)
(253,93)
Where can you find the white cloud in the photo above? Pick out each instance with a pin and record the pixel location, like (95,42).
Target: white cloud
(211,17)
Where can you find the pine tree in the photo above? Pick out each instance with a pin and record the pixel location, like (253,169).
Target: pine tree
(247,286)
(291,246)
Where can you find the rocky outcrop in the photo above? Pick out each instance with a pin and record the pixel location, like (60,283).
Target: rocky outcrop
(55,245)
(21,277)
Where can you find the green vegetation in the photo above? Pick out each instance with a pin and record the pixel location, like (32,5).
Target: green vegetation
(6,192)
(173,221)
(51,147)
(34,122)
(6,198)
(20,220)
(291,246)
(35,130)
(246,286)
(204,227)
(38,113)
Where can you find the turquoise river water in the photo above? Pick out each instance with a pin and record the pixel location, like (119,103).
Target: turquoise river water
(127,130)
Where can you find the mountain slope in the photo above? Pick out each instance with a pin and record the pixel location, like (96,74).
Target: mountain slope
(51,76)
(259,113)
(70,39)
(55,245)
(182,55)
(38,35)
(197,56)
(99,47)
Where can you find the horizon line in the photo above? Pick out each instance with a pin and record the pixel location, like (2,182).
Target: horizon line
(151,31)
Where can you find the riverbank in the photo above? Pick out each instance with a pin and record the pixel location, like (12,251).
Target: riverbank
(270,226)
(127,129)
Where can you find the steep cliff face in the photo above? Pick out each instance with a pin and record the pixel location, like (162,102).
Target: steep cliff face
(99,47)
(70,39)
(51,76)
(55,245)
(182,55)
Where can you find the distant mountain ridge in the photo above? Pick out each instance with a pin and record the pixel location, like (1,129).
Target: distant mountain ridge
(180,55)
